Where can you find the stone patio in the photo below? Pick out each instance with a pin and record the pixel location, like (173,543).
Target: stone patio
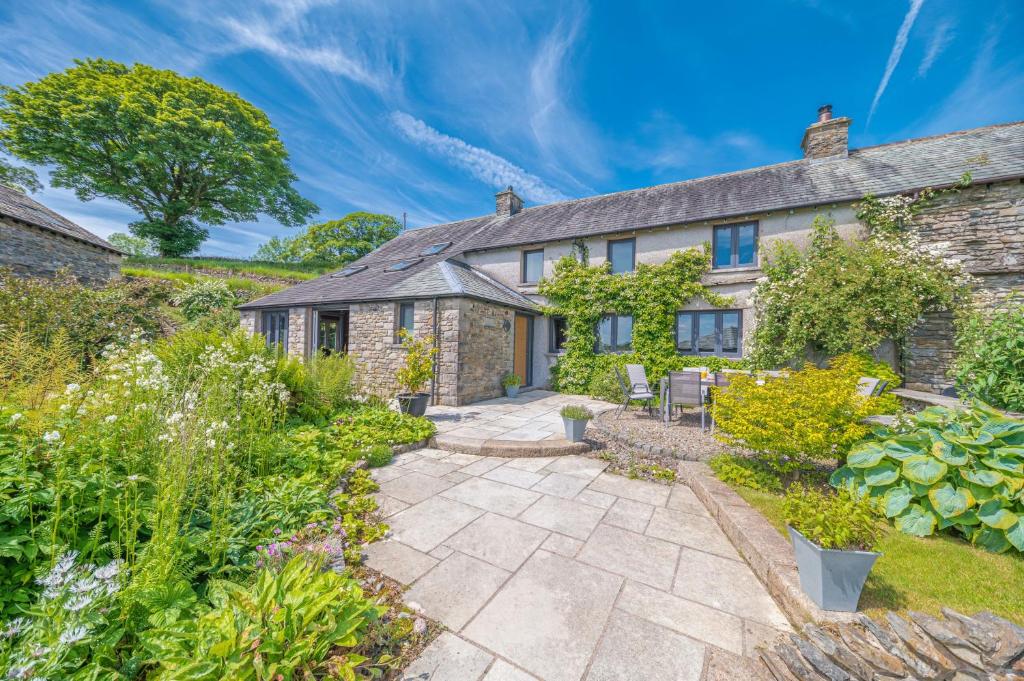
(550,569)
(526,425)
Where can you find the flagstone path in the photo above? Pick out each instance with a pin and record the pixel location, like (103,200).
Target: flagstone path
(550,569)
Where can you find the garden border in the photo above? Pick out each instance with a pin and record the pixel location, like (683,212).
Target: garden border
(767,552)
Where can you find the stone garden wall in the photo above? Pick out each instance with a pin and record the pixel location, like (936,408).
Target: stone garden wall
(982,227)
(33,252)
(485,351)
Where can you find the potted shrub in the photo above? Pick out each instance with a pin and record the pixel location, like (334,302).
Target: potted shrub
(834,536)
(511,382)
(414,375)
(575,420)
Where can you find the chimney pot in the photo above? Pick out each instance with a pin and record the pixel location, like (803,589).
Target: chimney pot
(827,137)
(507,203)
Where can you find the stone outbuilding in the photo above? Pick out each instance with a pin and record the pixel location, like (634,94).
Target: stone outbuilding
(37,242)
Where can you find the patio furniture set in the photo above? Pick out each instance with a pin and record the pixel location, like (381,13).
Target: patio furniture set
(691,387)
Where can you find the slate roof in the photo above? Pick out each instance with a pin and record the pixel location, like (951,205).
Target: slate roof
(14,204)
(990,154)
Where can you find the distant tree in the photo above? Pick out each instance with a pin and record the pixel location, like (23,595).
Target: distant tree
(181,151)
(132,245)
(22,179)
(337,242)
(275,250)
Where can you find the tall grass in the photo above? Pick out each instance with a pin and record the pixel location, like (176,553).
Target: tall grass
(288,271)
(250,287)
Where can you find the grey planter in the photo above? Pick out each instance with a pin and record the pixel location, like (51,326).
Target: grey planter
(833,579)
(574,429)
(511,390)
(413,404)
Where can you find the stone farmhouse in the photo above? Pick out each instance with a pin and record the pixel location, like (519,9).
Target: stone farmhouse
(472,284)
(37,242)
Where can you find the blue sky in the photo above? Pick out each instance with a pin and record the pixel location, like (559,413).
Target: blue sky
(428,108)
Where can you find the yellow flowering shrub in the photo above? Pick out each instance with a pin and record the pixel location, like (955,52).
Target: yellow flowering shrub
(809,415)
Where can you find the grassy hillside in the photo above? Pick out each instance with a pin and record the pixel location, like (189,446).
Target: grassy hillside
(228,267)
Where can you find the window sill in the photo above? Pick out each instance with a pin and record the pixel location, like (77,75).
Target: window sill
(729,270)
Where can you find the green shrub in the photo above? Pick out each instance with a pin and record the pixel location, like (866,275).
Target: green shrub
(812,415)
(379,455)
(842,520)
(204,297)
(323,385)
(745,472)
(576,413)
(989,362)
(511,380)
(364,426)
(418,368)
(288,625)
(955,469)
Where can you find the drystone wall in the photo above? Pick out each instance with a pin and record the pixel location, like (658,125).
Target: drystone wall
(485,349)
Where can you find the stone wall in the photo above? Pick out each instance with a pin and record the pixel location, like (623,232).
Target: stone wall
(983,228)
(298,322)
(485,349)
(247,320)
(33,252)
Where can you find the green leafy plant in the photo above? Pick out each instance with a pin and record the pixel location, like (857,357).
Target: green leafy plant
(842,520)
(848,296)
(298,621)
(204,297)
(576,413)
(511,380)
(334,242)
(946,469)
(418,368)
(745,472)
(604,384)
(652,294)
(812,415)
(989,363)
(361,427)
(379,455)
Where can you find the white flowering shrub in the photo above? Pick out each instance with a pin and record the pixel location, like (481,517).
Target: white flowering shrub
(204,297)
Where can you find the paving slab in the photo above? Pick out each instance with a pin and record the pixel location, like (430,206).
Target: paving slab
(498,540)
(629,515)
(687,617)
(441,552)
(532,464)
(562,545)
(432,453)
(431,467)
(561,485)
(388,506)
(682,498)
(460,459)
(449,658)
(430,522)
(513,476)
(456,588)
(524,435)
(456,476)
(492,496)
(503,671)
(599,499)
(644,559)
(633,648)
(727,585)
(388,473)
(483,465)
(401,563)
(637,490)
(564,516)
(577,465)
(687,529)
(548,617)
(414,487)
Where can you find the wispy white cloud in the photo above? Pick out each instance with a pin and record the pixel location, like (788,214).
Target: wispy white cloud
(941,39)
(896,53)
(482,164)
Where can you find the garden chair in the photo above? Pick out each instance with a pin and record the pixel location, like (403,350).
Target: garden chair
(683,389)
(868,386)
(882,385)
(637,389)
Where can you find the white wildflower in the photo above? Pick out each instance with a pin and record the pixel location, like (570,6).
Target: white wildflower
(111,418)
(73,635)
(72,388)
(16,417)
(51,437)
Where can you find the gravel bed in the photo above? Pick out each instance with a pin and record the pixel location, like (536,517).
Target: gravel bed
(682,438)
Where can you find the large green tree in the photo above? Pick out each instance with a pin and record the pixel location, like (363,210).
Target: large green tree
(182,152)
(15,177)
(334,242)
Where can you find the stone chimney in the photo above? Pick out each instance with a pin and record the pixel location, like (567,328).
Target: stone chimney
(827,137)
(507,203)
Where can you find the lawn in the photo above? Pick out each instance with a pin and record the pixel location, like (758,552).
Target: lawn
(273,270)
(927,574)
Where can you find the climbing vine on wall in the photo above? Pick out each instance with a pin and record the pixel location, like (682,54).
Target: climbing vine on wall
(582,293)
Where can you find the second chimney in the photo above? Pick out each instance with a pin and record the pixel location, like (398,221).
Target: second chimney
(827,137)
(507,203)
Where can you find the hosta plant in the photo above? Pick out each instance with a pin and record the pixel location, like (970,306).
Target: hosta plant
(946,469)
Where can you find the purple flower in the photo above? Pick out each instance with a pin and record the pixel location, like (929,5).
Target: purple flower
(277,531)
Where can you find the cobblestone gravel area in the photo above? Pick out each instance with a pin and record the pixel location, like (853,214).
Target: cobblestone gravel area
(649,437)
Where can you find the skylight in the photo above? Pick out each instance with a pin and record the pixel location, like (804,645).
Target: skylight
(434,249)
(349,271)
(401,265)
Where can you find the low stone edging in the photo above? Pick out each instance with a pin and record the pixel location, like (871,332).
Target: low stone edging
(508,448)
(768,553)
(646,448)
(402,449)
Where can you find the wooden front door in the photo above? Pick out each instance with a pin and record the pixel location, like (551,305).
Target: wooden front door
(522,349)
